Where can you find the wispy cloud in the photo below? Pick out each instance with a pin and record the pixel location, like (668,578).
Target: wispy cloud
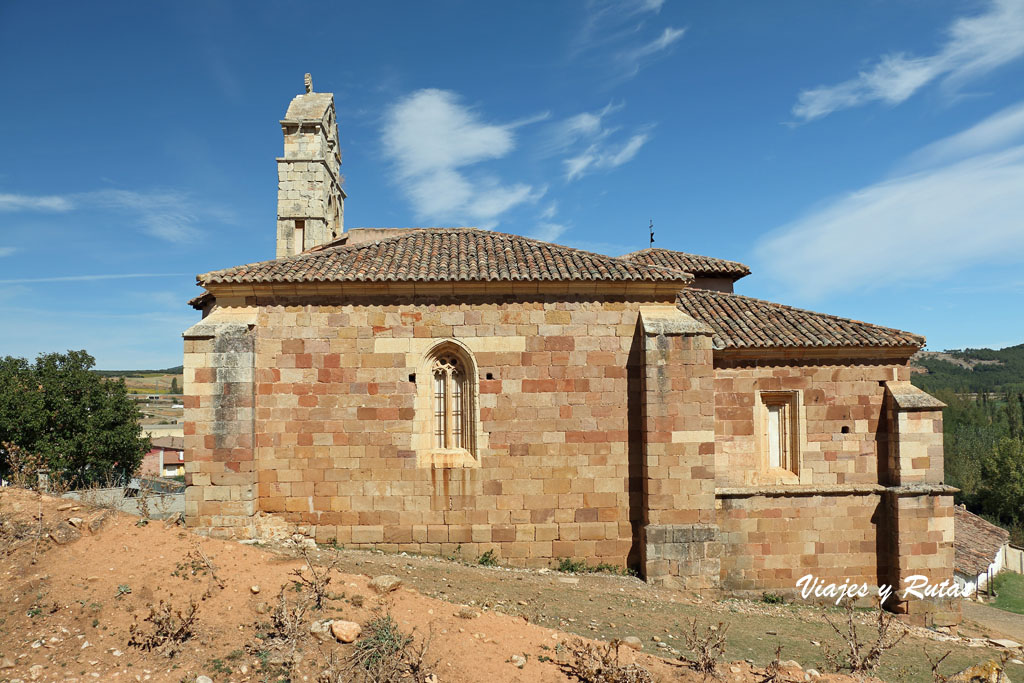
(974,46)
(587,139)
(433,140)
(617,31)
(7,251)
(1004,128)
(89,278)
(168,215)
(918,227)
(21,202)
(604,157)
(633,58)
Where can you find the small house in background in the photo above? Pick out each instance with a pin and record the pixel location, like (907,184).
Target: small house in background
(166,457)
(980,550)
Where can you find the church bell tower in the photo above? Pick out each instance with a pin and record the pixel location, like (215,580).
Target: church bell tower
(310,201)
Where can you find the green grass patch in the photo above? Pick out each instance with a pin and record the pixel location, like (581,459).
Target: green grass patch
(1009,592)
(573,566)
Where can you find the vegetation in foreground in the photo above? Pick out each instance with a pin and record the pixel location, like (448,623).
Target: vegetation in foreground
(1010,592)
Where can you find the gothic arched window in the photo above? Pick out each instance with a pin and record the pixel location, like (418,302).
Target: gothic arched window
(450,410)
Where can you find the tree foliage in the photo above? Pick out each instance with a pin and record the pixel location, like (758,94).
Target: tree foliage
(84,427)
(984,455)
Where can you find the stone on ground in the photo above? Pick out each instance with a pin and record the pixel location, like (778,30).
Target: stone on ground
(345,631)
(64,533)
(633,642)
(385,583)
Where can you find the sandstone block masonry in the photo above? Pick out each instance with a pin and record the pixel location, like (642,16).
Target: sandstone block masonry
(609,431)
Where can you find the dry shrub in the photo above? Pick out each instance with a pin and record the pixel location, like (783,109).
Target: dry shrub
(24,467)
(937,676)
(591,663)
(771,672)
(169,629)
(317,582)
(282,637)
(386,654)
(861,656)
(707,647)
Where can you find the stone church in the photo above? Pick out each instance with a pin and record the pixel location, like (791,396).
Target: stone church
(457,390)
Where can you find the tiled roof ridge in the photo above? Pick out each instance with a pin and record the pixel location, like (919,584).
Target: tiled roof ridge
(326,251)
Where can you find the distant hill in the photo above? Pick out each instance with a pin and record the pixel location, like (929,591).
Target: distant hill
(970,370)
(177,370)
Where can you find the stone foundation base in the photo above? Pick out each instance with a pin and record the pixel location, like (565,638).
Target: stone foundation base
(682,555)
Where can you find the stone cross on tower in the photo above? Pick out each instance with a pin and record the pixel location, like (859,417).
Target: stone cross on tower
(310,201)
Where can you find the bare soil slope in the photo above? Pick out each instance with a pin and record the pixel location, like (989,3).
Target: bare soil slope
(76,580)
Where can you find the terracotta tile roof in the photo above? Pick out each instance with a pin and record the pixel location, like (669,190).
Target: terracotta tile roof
(689,263)
(975,542)
(446,255)
(743,322)
(172,442)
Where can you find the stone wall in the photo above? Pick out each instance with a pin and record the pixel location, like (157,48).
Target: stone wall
(558,472)
(680,538)
(842,422)
(219,421)
(768,542)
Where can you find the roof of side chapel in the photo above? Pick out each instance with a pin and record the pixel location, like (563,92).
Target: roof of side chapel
(690,263)
(744,322)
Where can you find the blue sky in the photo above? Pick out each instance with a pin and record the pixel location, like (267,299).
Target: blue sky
(865,159)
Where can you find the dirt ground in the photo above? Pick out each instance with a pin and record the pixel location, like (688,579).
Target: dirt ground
(75,580)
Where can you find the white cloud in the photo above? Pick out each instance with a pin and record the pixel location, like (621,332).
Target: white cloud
(604,157)
(919,227)
(168,215)
(974,46)
(7,251)
(432,138)
(21,202)
(999,130)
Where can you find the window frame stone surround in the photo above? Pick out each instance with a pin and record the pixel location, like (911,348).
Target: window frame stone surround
(427,453)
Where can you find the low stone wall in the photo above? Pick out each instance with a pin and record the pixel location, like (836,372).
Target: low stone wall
(768,542)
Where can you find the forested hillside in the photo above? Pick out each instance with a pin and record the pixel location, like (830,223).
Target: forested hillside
(984,455)
(971,370)
(983,427)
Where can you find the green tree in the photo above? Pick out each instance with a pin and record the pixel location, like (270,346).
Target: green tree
(1002,489)
(174,386)
(84,427)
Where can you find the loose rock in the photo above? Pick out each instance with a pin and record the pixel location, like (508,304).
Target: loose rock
(64,533)
(987,672)
(346,631)
(633,642)
(321,630)
(518,661)
(255,589)
(385,583)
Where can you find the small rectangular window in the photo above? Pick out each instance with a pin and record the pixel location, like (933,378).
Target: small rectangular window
(778,435)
